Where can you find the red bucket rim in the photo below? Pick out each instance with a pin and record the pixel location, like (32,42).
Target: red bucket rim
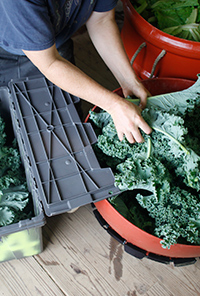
(153,35)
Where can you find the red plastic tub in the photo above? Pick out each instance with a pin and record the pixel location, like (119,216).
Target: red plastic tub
(181,57)
(128,231)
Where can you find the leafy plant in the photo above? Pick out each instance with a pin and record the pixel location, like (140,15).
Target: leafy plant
(166,166)
(179,18)
(14,196)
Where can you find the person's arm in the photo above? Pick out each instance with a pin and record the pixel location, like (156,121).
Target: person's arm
(69,77)
(65,75)
(105,35)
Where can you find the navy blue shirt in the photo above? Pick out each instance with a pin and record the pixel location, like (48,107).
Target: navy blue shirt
(38,24)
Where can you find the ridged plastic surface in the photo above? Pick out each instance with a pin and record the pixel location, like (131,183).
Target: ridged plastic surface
(58,147)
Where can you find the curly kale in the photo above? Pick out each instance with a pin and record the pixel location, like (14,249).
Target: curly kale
(136,173)
(176,215)
(14,195)
(191,120)
(170,131)
(166,166)
(115,148)
(127,205)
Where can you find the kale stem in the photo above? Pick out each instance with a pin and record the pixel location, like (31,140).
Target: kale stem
(189,182)
(172,138)
(148,147)
(136,100)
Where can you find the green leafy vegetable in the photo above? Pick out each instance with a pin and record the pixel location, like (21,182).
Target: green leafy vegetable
(127,205)
(179,18)
(14,196)
(166,166)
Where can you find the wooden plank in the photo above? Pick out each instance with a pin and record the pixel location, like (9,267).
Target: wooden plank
(26,277)
(88,261)
(160,289)
(182,280)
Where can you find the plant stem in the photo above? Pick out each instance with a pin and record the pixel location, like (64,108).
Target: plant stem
(172,138)
(148,147)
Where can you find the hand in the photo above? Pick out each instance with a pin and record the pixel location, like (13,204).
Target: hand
(136,88)
(128,120)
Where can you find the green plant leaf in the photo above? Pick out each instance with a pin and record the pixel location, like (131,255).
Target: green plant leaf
(178,102)
(6,216)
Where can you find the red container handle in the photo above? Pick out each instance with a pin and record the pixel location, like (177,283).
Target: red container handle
(157,37)
(159,57)
(170,56)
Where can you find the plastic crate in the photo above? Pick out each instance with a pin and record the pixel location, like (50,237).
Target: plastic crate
(24,238)
(57,147)
(61,168)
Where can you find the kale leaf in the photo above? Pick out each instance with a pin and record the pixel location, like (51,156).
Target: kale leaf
(166,166)
(14,196)
(178,18)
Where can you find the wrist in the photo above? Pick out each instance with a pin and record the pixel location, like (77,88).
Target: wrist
(114,103)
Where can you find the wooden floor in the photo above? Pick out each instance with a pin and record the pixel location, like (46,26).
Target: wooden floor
(79,257)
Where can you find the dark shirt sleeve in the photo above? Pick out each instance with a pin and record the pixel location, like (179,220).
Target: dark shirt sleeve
(38,24)
(28,25)
(105,5)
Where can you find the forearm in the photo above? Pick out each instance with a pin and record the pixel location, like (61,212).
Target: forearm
(106,37)
(65,75)
(126,115)
(71,79)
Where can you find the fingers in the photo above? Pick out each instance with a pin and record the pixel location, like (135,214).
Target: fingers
(129,121)
(140,92)
(120,135)
(143,98)
(145,127)
(133,134)
(131,138)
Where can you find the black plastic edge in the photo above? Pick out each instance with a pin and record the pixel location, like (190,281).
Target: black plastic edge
(159,258)
(115,235)
(134,251)
(183,261)
(138,252)
(100,219)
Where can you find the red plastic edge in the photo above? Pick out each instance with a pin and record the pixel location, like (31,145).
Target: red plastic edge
(158,38)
